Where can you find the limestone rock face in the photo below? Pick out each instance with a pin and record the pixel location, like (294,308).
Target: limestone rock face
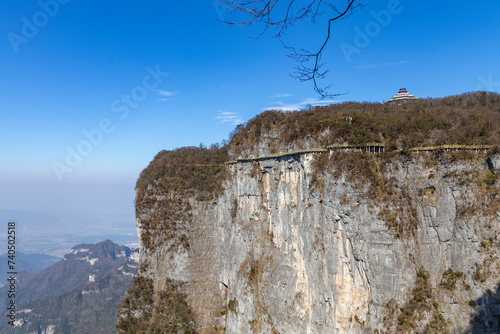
(494,163)
(289,249)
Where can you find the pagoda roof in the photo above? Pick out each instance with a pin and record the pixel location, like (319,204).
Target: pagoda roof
(403,95)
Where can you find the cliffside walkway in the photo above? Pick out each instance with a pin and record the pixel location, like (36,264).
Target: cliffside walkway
(371,148)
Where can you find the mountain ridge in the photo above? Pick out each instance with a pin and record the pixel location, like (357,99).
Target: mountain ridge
(79,294)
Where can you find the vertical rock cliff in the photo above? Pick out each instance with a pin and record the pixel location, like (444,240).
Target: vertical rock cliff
(272,254)
(340,241)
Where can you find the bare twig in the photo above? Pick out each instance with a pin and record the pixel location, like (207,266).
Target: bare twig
(268,13)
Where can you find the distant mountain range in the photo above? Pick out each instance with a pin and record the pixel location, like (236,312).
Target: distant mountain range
(31,263)
(79,294)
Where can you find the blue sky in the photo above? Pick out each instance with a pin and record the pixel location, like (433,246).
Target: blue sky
(73,73)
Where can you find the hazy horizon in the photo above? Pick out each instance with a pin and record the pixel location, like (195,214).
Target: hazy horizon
(74,213)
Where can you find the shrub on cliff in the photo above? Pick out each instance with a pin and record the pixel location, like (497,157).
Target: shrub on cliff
(143,311)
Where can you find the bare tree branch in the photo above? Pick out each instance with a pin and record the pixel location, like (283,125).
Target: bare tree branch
(280,15)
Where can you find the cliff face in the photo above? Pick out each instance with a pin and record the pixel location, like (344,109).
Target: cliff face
(312,243)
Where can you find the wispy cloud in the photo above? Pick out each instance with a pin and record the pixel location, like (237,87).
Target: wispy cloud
(225,117)
(280,95)
(299,105)
(162,92)
(371,66)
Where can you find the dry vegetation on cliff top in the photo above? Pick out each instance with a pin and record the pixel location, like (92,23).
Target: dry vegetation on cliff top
(185,170)
(467,119)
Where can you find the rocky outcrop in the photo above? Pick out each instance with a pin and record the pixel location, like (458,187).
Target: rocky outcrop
(297,246)
(494,163)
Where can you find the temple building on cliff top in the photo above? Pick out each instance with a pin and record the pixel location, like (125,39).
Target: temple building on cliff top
(402,96)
